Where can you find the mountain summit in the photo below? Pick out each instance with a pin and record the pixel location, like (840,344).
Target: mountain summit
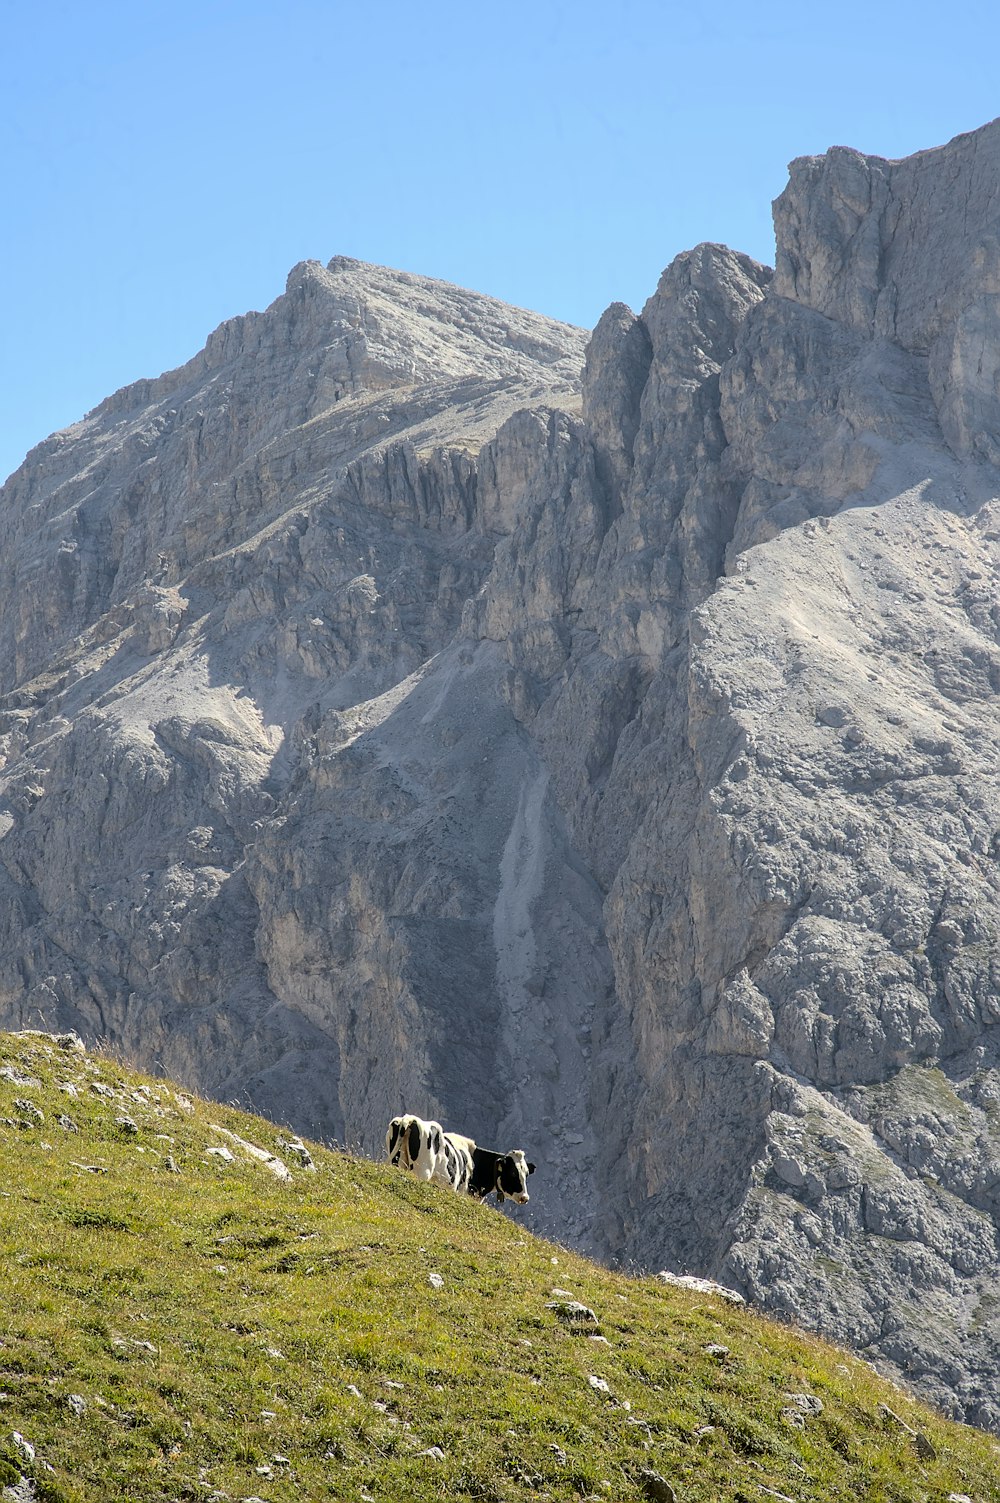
(411,705)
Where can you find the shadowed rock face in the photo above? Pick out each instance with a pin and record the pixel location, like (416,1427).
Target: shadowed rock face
(610,773)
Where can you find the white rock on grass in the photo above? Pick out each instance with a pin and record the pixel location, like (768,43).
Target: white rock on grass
(9,1072)
(24,1447)
(700,1286)
(260,1155)
(299,1149)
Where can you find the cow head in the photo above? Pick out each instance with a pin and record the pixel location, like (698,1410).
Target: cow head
(512,1177)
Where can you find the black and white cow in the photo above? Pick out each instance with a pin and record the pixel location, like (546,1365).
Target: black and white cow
(504,1173)
(415,1145)
(427,1152)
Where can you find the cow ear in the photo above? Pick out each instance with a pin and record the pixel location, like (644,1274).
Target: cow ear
(531,1168)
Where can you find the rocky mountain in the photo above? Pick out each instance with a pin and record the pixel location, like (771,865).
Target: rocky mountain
(592,744)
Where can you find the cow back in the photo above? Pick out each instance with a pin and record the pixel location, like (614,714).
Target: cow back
(414,1145)
(455,1165)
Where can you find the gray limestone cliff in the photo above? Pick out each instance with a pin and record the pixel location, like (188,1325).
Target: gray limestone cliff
(409,703)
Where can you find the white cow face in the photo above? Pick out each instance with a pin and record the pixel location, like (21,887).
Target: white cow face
(512,1177)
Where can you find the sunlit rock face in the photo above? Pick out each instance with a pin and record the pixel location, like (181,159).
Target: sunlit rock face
(411,704)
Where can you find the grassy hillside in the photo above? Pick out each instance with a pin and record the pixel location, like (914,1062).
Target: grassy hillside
(176,1324)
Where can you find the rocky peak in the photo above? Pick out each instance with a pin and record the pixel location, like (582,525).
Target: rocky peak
(876,246)
(875,243)
(655,382)
(406,328)
(615,374)
(169,473)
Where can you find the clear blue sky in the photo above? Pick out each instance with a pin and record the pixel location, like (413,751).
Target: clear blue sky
(164,165)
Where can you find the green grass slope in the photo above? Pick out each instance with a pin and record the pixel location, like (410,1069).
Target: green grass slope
(176,1324)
